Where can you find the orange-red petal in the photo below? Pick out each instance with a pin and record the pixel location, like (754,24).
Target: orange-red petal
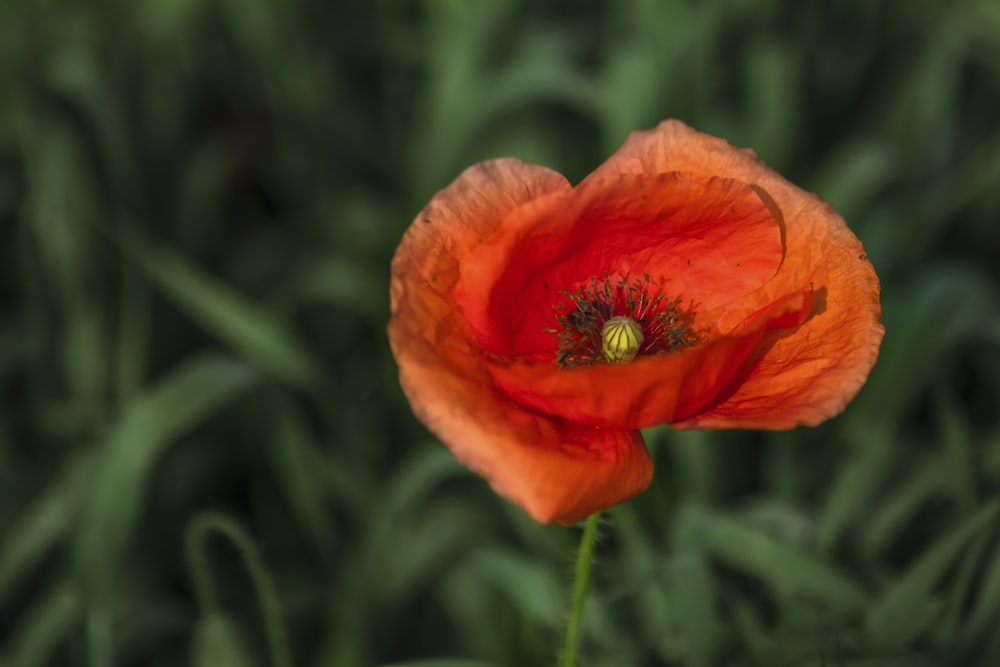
(705,240)
(649,390)
(811,375)
(556,470)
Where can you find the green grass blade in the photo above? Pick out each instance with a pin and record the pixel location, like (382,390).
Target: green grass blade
(787,571)
(42,524)
(149,423)
(248,328)
(909,605)
(986,605)
(218,643)
(43,628)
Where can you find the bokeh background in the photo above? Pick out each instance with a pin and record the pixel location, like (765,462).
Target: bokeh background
(205,457)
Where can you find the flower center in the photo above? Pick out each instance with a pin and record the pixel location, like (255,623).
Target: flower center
(609,321)
(621,338)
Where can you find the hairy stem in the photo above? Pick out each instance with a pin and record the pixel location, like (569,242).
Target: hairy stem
(581,585)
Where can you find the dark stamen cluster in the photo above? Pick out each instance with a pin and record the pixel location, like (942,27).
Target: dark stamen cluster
(665,325)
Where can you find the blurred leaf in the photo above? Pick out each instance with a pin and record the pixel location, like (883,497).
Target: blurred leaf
(133,341)
(985,603)
(43,627)
(692,591)
(249,329)
(74,70)
(772,81)
(924,113)
(909,606)
(749,625)
(913,490)
(217,643)
(149,423)
(59,202)
(428,468)
(199,199)
(344,283)
(420,549)
(853,177)
(693,456)
(956,598)
(627,73)
(787,571)
(200,528)
(61,197)
(298,467)
(457,41)
(959,455)
(43,524)
(856,484)
(944,306)
(465,96)
(410,538)
(642,583)
(542,70)
(534,589)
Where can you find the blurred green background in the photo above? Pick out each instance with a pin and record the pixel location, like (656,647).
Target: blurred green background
(198,205)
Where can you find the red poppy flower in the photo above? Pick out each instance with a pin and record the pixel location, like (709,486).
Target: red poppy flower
(538,326)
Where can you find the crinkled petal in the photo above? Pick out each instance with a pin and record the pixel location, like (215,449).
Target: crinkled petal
(707,241)
(811,375)
(650,390)
(555,470)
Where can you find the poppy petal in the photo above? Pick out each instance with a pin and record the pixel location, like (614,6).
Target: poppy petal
(650,390)
(813,374)
(707,241)
(555,470)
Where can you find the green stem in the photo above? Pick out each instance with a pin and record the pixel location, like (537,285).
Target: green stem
(581,584)
(267,596)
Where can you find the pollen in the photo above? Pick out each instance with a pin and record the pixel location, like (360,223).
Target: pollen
(621,338)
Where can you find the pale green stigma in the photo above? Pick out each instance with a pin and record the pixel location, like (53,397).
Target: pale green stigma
(621,338)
